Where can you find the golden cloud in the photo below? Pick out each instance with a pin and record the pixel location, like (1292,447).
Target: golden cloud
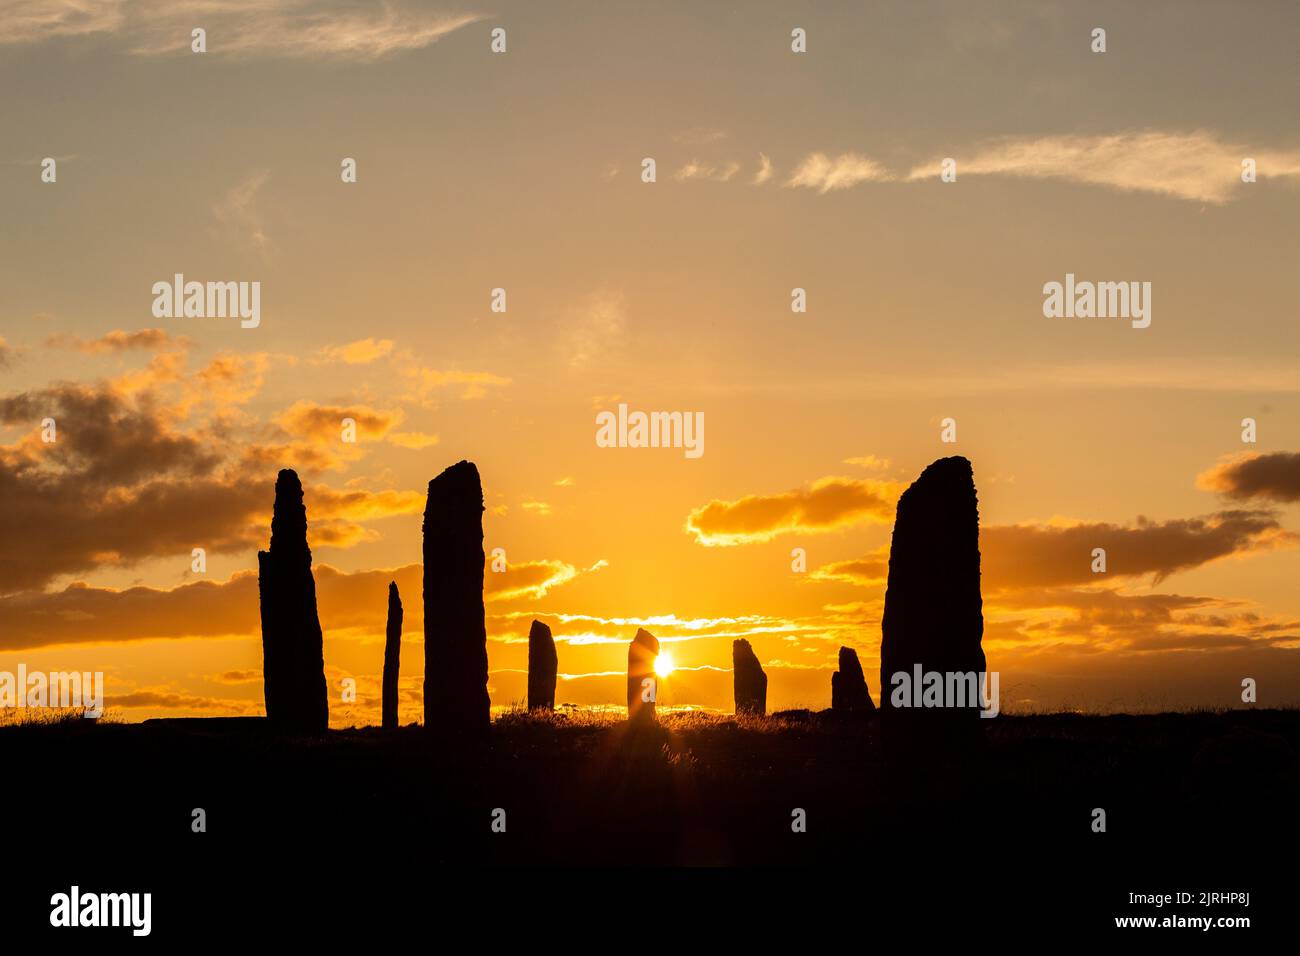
(826,505)
(1273,477)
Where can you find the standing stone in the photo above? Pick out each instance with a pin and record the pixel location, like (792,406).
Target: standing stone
(542,664)
(933,619)
(641,654)
(849,693)
(750,683)
(293,662)
(392,657)
(455,636)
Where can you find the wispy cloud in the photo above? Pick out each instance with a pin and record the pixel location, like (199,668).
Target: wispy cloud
(360,352)
(593,329)
(827,174)
(238,217)
(8,353)
(700,135)
(1195,166)
(119,340)
(31,21)
(706,171)
(339,29)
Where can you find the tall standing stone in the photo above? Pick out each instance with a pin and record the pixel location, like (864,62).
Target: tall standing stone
(749,682)
(933,619)
(455,636)
(641,654)
(542,665)
(392,657)
(849,694)
(293,661)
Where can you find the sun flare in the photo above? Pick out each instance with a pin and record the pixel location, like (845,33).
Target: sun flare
(664,665)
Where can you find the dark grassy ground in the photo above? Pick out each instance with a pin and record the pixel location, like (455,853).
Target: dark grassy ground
(1201,799)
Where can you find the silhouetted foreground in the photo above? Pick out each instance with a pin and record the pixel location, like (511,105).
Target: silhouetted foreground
(1185,797)
(695,789)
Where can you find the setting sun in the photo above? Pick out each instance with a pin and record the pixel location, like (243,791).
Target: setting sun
(664,665)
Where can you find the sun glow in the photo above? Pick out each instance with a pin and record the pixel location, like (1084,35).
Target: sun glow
(664,665)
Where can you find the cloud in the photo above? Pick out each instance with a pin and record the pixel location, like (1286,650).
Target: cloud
(764,170)
(706,171)
(825,174)
(238,217)
(870,462)
(700,135)
(528,579)
(317,29)
(237,677)
(8,353)
(360,352)
(1194,166)
(589,332)
(825,505)
(231,379)
(122,483)
(32,21)
(120,341)
(412,440)
(1274,477)
(427,381)
(324,423)
(349,603)
(1032,558)
(172,700)
(1025,555)
(870,570)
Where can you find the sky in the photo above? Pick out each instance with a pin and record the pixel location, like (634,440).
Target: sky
(523,170)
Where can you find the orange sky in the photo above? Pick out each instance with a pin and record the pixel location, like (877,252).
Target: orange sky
(522,171)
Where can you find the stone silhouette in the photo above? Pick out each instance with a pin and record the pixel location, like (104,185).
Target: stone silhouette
(455,637)
(933,619)
(392,657)
(293,663)
(642,685)
(749,681)
(849,693)
(542,663)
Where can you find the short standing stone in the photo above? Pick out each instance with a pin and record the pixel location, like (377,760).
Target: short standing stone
(849,693)
(642,685)
(542,664)
(749,681)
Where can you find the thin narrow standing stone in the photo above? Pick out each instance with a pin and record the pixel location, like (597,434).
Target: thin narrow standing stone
(392,657)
